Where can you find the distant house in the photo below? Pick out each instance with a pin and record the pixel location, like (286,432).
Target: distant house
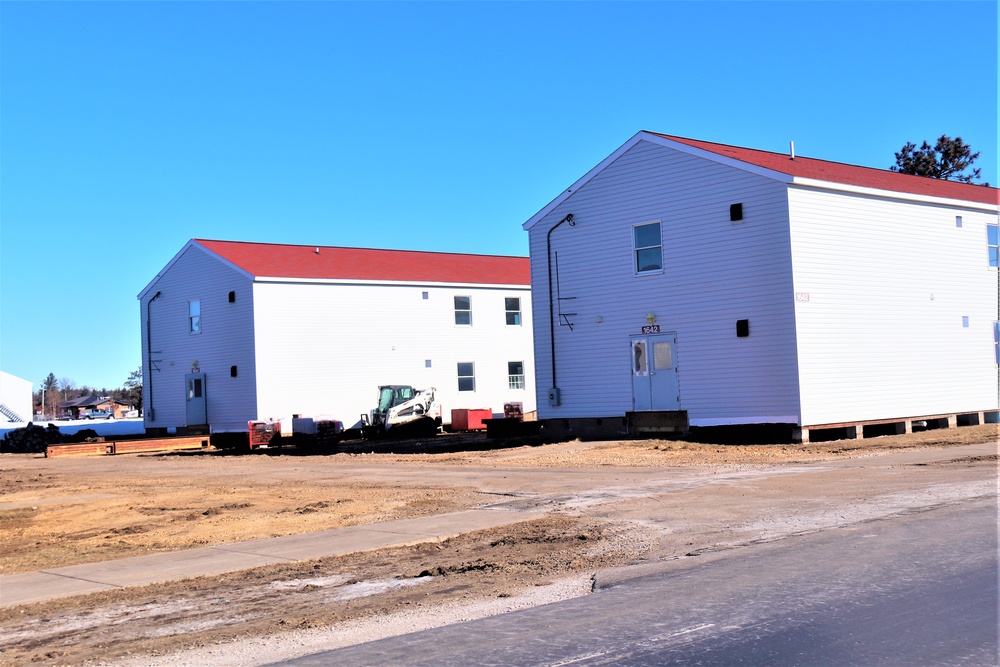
(15,399)
(683,281)
(235,331)
(80,407)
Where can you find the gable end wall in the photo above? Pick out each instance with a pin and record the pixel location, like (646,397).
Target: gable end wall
(226,340)
(715,273)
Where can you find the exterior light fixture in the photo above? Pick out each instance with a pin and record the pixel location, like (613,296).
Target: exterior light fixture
(651,318)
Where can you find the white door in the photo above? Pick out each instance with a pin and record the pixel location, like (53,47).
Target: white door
(197,401)
(654,373)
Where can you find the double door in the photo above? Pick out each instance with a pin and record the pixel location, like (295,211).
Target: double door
(654,372)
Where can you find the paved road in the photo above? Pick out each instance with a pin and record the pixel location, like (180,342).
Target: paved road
(915,589)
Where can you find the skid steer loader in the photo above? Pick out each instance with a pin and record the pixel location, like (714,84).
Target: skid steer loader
(402,412)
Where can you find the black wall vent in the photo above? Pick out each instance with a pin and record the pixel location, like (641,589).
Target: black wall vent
(742,328)
(735,212)
(232,371)
(232,297)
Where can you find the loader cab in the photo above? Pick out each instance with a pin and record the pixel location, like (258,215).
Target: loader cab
(392,395)
(403,410)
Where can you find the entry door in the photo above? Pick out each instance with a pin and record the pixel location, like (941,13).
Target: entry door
(654,373)
(197,405)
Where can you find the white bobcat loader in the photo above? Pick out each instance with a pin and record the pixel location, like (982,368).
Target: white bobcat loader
(402,412)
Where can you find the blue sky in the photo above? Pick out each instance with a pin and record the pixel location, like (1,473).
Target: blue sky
(128,128)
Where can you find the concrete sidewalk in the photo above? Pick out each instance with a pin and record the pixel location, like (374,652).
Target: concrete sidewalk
(76,579)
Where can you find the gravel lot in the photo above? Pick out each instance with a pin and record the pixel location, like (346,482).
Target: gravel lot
(607,504)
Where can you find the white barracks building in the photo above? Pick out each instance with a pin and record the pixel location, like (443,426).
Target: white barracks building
(233,332)
(683,282)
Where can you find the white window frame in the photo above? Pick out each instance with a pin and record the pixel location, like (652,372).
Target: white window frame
(194,316)
(515,380)
(636,249)
(467,311)
(508,312)
(994,249)
(996,342)
(471,378)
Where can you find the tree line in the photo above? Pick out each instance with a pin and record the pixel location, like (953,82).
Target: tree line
(55,391)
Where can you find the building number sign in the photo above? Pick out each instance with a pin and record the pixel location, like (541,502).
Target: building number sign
(652,328)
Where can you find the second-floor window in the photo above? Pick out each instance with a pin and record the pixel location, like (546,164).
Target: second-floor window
(463,310)
(647,247)
(513,308)
(194,317)
(993,241)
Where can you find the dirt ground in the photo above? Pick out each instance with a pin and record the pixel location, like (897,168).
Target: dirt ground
(56,512)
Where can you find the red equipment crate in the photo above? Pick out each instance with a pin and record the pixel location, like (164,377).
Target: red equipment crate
(261,433)
(465,419)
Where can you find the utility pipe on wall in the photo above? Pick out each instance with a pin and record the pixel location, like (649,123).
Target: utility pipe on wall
(552,324)
(147,385)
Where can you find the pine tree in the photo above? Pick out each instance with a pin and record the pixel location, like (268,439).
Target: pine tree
(947,159)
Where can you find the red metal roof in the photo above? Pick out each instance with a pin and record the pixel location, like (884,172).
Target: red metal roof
(302,261)
(848,174)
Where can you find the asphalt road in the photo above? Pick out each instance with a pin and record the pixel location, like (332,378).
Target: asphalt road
(913,589)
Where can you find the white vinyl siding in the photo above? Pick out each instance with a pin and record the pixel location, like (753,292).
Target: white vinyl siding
(310,362)
(198,276)
(714,274)
(888,282)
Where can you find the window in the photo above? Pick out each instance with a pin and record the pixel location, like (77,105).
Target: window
(466,376)
(194,317)
(463,310)
(663,355)
(647,245)
(996,342)
(993,241)
(640,362)
(515,375)
(513,308)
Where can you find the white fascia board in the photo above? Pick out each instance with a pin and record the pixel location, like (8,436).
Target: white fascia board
(660,141)
(392,283)
(812,183)
(720,159)
(189,244)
